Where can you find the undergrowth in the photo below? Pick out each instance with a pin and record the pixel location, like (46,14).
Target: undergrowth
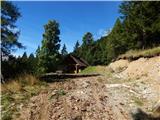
(15,93)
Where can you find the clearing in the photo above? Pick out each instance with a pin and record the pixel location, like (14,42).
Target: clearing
(115,95)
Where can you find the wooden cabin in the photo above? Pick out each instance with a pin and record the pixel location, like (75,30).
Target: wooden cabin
(74,64)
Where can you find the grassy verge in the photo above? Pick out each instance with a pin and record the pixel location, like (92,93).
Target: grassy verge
(95,69)
(135,54)
(15,93)
(103,70)
(90,69)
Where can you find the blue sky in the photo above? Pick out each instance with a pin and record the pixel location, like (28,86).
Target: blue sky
(75,19)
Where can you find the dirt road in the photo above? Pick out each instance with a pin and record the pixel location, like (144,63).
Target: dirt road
(106,97)
(90,98)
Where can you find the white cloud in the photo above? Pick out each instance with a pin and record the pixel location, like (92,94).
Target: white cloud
(102,33)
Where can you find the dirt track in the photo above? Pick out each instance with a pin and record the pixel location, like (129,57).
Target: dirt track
(83,98)
(86,98)
(94,98)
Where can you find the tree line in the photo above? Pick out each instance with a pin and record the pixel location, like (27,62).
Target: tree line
(138,27)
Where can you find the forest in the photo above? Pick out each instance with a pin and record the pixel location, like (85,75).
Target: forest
(137,28)
(119,72)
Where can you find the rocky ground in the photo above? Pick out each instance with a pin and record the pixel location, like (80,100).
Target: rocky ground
(116,96)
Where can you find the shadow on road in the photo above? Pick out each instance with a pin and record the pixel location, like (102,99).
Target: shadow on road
(141,115)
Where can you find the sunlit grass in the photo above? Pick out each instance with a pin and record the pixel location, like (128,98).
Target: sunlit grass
(133,54)
(103,70)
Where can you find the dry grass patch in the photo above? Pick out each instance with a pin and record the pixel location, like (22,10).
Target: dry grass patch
(13,86)
(135,54)
(17,92)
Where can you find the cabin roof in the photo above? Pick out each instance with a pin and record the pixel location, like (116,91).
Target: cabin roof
(78,60)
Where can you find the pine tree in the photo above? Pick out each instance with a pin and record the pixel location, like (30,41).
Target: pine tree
(49,57)
(76,46)
(32,63)
(142,22)
(9,34)
(76,49)
(88,39)
(116,42)
(86,50)
(64,50)
(37,51)
(24,56)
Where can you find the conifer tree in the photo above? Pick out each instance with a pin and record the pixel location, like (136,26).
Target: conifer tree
(88,39)
(9,33)
(116,43)
(142,22)
(64,50)
(24,56)
(76,46)
(49,57)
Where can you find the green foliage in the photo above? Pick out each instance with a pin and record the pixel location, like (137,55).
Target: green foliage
(88,39)
(32,62)
(138,29)
(76,49)
(76,46)
(48,55)
(9,33)
(24,56)
(142,22)
(64,51)
(86,49)
(37,51)
(116,43)
(17,66)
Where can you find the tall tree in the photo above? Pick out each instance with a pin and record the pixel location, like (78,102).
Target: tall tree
(31,56)
(116,43)
(32,63)
(9,33)
(88,39)
(76,49)
(48,57)
(142,22)
(64,50)
(24,56)
(37,52)
(86,49)
(76,46)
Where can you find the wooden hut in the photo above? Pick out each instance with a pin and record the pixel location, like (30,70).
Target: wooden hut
(74,64)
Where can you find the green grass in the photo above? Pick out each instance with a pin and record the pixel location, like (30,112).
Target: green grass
(103,70)
(137,101)
(135,54)
(90,69)
(17,92)
(95,69)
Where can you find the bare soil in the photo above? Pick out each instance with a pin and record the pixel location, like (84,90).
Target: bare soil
(114,97)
